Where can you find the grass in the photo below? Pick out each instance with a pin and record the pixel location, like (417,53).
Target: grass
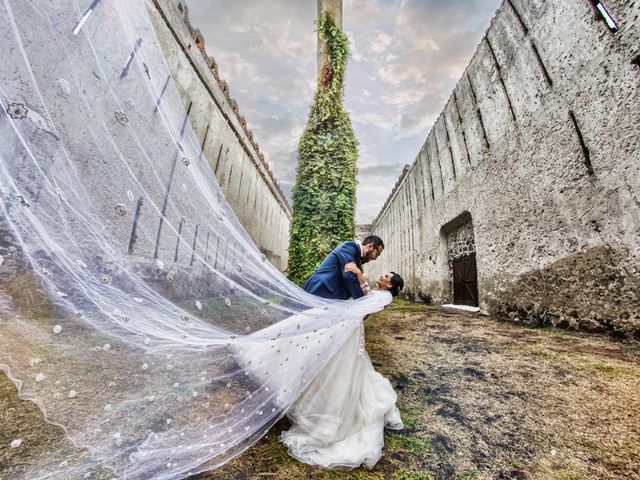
(607,368)
(409,415)
(567,475)
(406,443)
(480,399)
(412,475)
(468,474)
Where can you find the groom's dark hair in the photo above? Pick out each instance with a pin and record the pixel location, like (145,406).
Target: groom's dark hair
(397,283)
(377,241)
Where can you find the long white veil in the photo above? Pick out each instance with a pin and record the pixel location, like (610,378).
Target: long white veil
(114,316)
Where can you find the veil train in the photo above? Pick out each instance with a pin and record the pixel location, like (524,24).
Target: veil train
(150,363)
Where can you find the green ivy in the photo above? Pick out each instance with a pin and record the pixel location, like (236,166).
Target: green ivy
(324,196)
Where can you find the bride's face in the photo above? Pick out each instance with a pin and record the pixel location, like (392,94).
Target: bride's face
(384,282)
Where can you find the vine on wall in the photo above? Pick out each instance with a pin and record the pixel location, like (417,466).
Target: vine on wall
(324,196)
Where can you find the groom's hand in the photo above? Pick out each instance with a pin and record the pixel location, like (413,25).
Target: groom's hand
(353,268)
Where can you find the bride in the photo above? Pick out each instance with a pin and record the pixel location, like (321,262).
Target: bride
(340,418)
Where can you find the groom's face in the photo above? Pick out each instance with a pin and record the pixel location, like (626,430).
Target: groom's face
(371,252)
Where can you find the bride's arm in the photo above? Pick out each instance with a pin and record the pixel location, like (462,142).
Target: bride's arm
(351,267)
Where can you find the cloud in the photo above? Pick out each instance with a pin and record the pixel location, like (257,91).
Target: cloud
(426,43)
(380,170)
(368,11)
(412,126)
(233,66)
(280,40)
(406,57)
(278,140)
(401,73)
(376,119)
(353,47)
(381,42)
(373,190)
(407,97)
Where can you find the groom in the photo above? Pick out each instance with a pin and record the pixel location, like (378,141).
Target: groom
(331,281)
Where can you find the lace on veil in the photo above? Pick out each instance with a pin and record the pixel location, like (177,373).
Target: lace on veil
(157,366)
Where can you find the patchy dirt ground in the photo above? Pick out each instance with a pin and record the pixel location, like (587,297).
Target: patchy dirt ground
(480,399)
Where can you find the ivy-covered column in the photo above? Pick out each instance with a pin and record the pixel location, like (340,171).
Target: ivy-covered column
(324,195)
(333,8)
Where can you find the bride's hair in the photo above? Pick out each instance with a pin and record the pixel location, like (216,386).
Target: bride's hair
(396,284)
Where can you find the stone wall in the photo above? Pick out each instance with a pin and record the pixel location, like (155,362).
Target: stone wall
(228,144)
(363,230)
(539,145)
(460,241)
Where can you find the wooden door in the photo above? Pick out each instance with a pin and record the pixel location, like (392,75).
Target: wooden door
(465,281)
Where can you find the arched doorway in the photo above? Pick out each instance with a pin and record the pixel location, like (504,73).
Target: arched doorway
(461,256)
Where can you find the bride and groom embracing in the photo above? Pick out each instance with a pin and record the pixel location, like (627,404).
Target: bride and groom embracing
(340,276)
(339,420)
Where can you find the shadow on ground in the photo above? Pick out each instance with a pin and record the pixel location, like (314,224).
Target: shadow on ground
(480,399)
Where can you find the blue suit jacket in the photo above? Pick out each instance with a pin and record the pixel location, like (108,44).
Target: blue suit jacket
(330,280)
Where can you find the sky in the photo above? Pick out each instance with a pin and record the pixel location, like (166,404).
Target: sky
(406,56)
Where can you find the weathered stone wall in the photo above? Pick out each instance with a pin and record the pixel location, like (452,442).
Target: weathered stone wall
(460,241)
(539,144)
(245,177)
(363,230)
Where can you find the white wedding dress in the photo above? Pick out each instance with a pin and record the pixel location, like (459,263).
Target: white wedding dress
(339,421)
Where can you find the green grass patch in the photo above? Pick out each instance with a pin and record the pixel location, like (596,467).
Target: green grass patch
(588,442)
(364,475)
(615,370)
(517,463)
(407,443)
(400,305)
(409,415)
(359,474)
(567,475)
(278,453)
(608,369)
(404,474)
(468,474)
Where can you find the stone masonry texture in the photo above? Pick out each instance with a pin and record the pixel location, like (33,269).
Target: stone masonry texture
(245,177)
